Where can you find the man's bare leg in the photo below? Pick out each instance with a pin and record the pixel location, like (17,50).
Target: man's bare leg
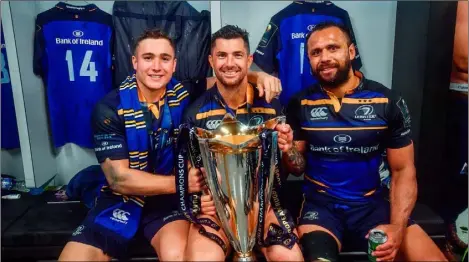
(418,246)
(279,252)
(201,248)
(170,241)
(75,251)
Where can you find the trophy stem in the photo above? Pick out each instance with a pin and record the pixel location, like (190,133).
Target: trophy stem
(246,257)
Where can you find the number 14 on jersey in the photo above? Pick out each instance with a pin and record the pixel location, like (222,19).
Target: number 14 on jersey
(87,68)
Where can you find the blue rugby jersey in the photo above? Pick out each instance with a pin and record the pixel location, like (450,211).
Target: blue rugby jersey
(282,48)
(345,137)
(208,110)
(108,125)
(73,55)
(9,129)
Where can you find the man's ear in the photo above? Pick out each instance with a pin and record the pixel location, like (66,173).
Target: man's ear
(210,60)
(250,59)
(351,51)
(175,63)
(134,62)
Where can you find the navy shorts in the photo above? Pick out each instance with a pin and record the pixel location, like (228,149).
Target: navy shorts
(157,212)
(350,222)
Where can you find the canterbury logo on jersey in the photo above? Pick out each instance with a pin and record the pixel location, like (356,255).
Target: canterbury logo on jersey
(319,113)
(120,216)
(212,124)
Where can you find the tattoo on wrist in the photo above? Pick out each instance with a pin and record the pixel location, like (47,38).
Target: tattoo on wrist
(296,159)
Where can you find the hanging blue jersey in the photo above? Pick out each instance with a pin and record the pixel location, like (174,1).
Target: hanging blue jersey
(9,129)
(282,48)
(73,55)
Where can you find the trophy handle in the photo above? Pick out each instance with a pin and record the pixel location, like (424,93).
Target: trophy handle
(269,124)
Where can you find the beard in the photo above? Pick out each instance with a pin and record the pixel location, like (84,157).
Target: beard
(231,83)
(340,77)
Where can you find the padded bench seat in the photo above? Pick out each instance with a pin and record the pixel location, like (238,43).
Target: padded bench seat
(41,230)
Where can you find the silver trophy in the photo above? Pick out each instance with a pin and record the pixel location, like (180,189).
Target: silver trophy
(231,156)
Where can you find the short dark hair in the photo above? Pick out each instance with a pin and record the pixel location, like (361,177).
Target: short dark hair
(230,32)
(329,24)
(153,33)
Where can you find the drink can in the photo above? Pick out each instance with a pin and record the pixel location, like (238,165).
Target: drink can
(376,238)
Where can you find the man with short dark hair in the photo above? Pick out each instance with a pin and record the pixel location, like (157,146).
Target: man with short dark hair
(135,128)
(233,93)
(341,125)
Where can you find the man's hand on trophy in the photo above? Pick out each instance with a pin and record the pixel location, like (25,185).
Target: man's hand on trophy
(196,180)
(207,204)
(285,137)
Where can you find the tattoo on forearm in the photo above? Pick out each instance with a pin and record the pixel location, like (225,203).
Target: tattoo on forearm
(295,160)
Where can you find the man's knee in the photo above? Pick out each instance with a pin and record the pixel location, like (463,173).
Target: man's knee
(76,251)
(417,245)
(175,253)
(201,247)
(207,251)
(319,245)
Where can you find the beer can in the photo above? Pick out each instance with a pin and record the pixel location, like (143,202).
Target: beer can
(376,238)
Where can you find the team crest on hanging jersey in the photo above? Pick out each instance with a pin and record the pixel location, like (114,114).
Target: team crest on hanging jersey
(268,34)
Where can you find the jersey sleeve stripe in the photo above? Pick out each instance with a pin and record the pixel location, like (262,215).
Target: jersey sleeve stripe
(318,102)
(217,112)
(263,110)
(370,193)
(316,182)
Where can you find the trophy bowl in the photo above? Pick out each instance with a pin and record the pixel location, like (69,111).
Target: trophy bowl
(232,157)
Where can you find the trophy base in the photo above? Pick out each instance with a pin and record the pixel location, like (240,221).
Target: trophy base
(248,257)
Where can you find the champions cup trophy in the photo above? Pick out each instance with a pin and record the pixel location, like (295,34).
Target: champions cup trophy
(232,157)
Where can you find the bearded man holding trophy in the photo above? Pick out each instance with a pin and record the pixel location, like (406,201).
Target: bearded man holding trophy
(238,141)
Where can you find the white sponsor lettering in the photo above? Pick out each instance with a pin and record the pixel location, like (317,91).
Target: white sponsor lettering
(75,7)
(344,149)
(259,52)
(297,35)
(61,41)
(405,133)
(104,148)
(78,41)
